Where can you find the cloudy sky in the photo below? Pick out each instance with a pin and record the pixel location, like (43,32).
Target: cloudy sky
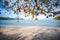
(10,13)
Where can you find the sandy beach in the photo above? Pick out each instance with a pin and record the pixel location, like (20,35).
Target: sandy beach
(29,33)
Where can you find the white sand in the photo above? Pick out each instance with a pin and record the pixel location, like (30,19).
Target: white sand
(28,31)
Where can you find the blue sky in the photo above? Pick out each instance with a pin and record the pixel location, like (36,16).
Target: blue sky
(5,13)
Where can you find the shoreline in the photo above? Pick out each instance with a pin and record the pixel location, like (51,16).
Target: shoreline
(27,26)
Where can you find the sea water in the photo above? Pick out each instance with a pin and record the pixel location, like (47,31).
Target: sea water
(49,23)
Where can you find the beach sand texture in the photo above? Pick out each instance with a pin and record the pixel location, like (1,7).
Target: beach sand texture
(29,33)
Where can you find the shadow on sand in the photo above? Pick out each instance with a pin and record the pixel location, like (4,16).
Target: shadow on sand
(55,35)
(11,37)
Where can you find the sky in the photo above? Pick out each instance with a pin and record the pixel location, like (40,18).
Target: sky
(10,13)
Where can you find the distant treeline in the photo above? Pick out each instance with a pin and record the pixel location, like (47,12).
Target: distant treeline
(8,18)
(57,18)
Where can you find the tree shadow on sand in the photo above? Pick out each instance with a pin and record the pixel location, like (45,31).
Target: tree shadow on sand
(55,35)
(11,37)
(0,26)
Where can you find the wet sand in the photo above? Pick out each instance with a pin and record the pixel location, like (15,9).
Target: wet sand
(29,33)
